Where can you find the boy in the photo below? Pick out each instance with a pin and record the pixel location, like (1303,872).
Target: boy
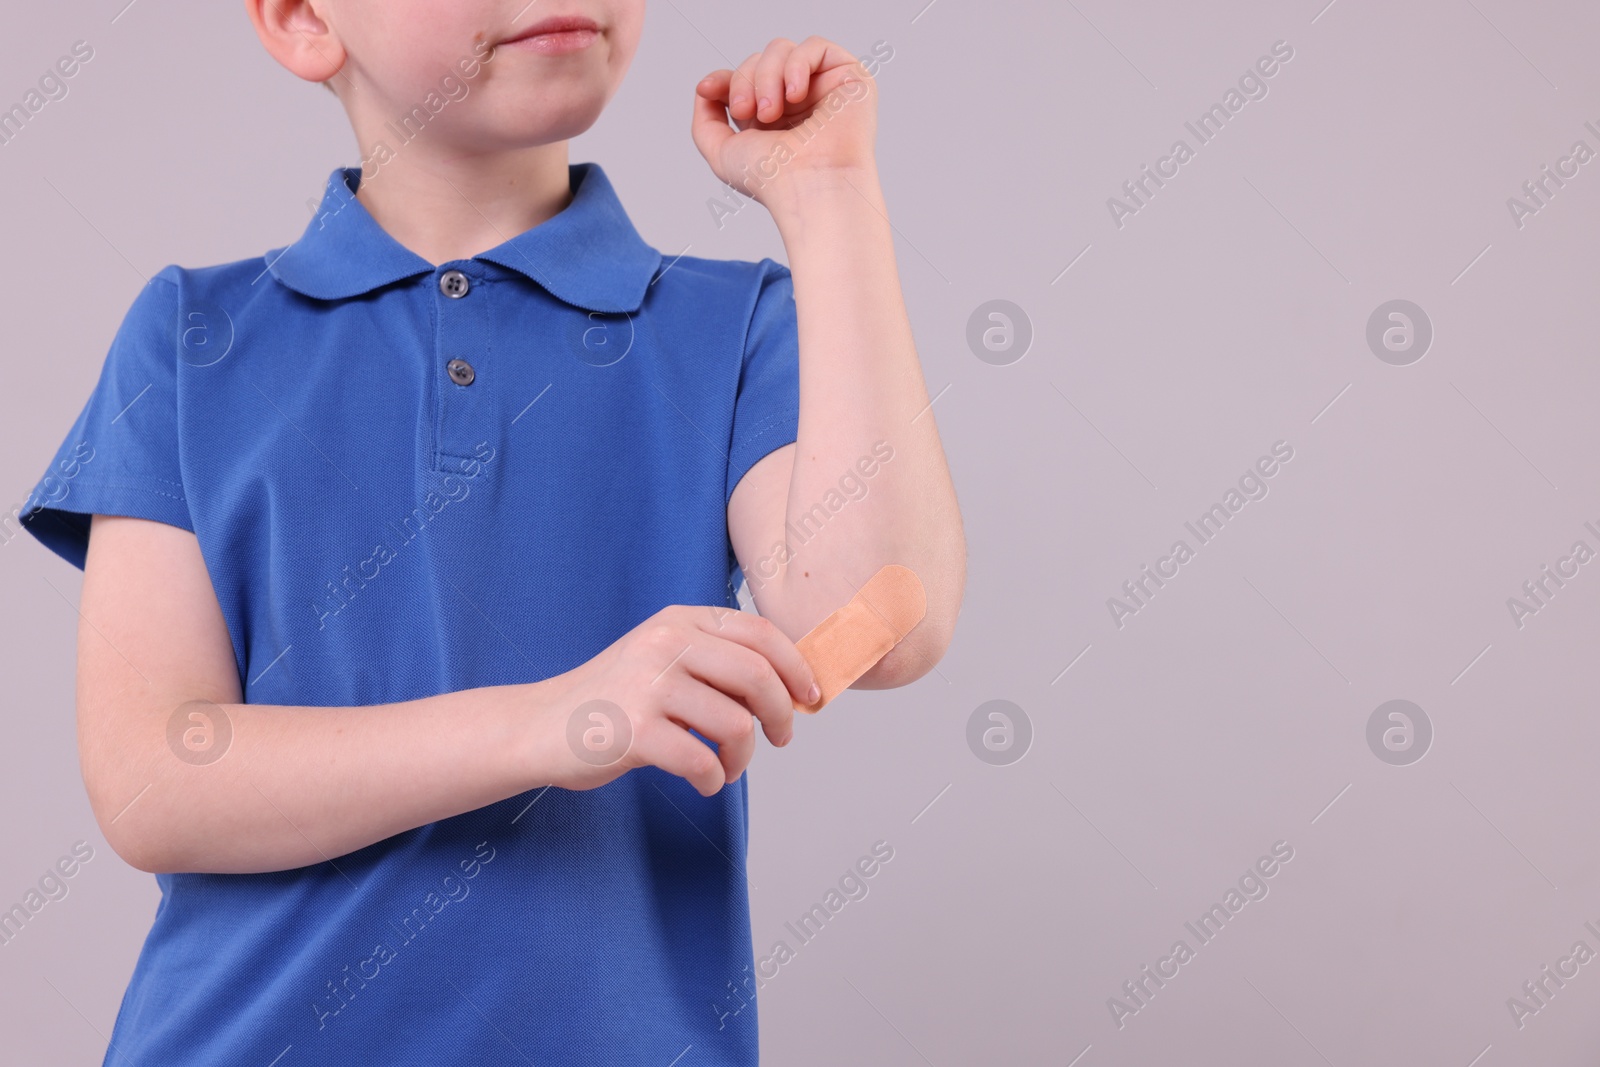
(406,661)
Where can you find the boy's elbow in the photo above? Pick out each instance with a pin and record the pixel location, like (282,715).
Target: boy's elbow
(140,850)
(916,654)
(136,841)
(925,645)
(149,862)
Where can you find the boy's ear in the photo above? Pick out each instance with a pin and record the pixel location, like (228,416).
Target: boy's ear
(297,36)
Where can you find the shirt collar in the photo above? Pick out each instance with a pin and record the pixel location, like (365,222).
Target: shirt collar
(588,254)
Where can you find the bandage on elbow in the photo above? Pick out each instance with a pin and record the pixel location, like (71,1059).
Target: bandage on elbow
(846,645)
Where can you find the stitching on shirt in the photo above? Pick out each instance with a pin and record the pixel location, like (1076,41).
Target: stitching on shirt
(765,427)
(177,354)
(763,279)
(752,440)
(122,485)
(156,478)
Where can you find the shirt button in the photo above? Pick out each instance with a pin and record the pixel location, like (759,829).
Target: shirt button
(460,371)
(454,284)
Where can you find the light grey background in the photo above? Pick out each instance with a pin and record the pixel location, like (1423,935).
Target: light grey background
(1228,314)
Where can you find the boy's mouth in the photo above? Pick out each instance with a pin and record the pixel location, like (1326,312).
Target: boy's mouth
(557,35)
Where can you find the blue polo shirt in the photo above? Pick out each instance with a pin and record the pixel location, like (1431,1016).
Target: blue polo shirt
(408,480)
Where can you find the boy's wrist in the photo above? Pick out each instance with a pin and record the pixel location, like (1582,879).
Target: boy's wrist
(823,191)
(528,731)
(828,213)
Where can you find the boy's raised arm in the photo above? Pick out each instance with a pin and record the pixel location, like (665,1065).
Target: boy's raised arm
(807,118)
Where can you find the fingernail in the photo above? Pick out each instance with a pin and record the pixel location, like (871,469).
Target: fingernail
(813,693)
(763,104)
(738,99)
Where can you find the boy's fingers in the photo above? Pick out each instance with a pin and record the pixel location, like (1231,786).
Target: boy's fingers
(809,56)
(677,751)
(741,672)
(829,56)
(718,717)
(828,80)
(709,126)
(769,79)
(742,90)
(760,634)
(714,86)
(796,78)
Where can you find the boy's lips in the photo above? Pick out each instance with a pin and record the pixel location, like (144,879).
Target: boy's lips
(556,35)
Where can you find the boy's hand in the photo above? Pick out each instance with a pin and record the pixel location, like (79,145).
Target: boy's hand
(800,109)
(715,669)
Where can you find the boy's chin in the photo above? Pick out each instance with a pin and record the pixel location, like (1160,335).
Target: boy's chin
(547,124)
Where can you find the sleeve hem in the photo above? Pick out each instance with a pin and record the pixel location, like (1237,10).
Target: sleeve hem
(770,435)
(63,525)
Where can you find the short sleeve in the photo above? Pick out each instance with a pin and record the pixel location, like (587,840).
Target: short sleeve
(767,409)
(121,455)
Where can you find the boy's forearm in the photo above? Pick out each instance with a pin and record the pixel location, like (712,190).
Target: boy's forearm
(301,785)
(861,384)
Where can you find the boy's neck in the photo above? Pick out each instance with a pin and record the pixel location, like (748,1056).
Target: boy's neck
(455,208)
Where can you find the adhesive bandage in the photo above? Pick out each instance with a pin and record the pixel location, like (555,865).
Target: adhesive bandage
(845,645)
